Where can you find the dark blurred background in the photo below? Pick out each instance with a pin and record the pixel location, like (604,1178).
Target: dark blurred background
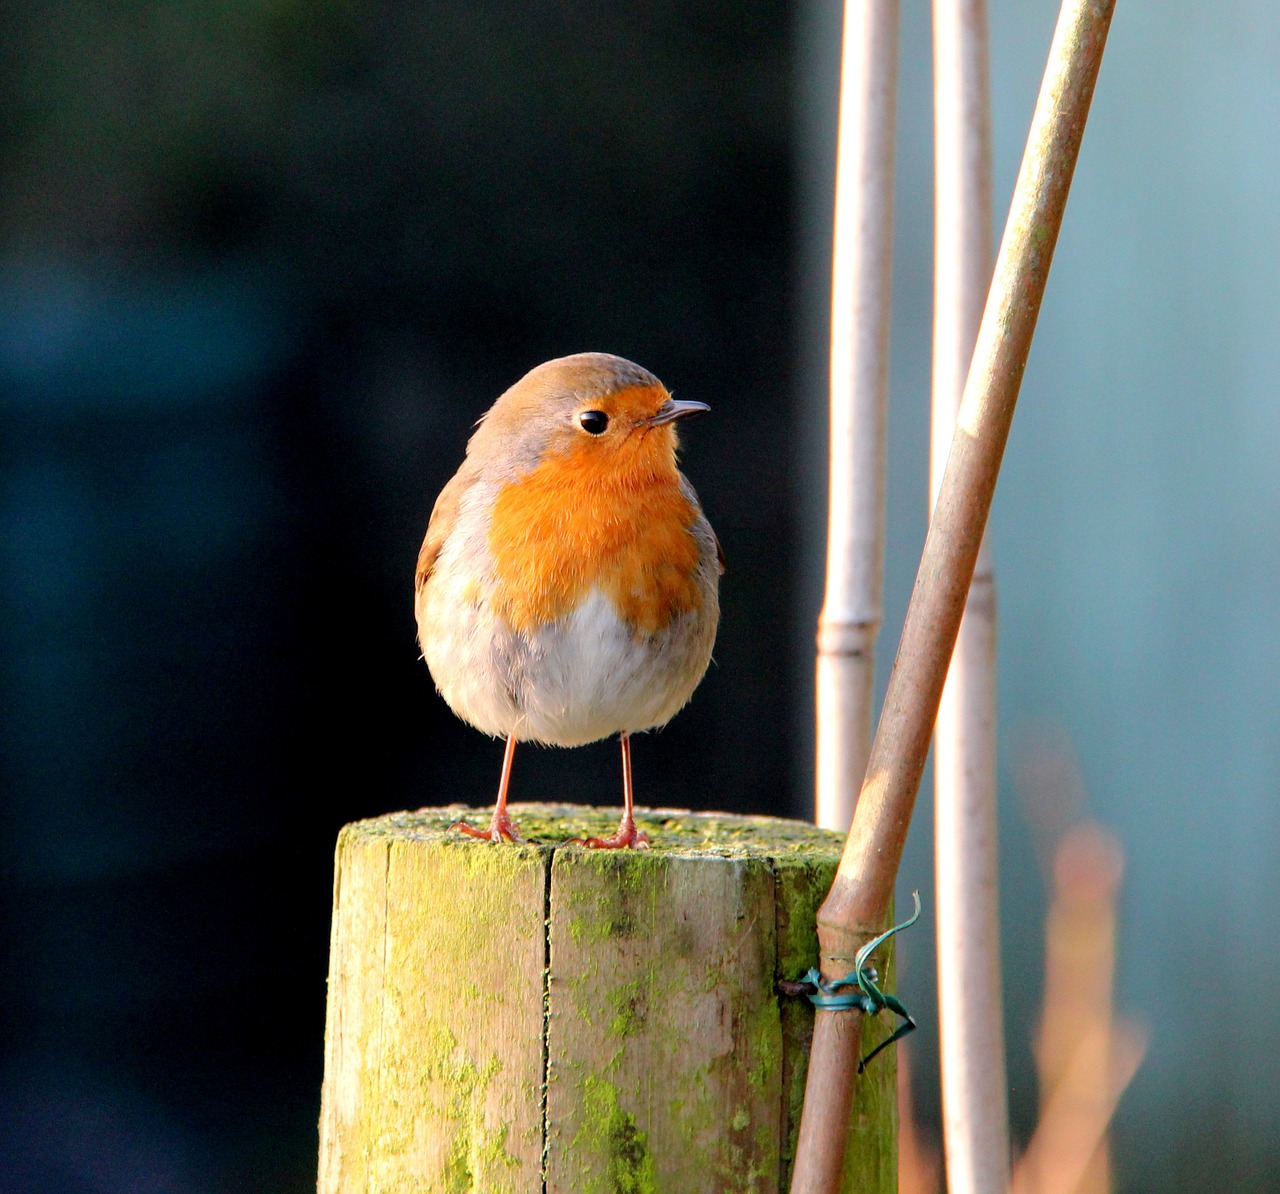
(263,263)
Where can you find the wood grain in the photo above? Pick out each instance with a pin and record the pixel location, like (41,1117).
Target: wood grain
(661,1060)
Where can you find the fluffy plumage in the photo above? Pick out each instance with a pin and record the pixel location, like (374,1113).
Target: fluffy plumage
(567,588)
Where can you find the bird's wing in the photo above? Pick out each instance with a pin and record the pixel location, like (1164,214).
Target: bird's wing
(443,515)
(691,494)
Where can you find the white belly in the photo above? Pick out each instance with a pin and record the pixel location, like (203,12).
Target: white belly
(579,679)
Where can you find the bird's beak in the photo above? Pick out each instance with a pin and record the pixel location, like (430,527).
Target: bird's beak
(671,411)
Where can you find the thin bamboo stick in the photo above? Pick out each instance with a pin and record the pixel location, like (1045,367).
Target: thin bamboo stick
(975,1115)
(859,897)
(861,255)
(1085,1054)
(919,1167)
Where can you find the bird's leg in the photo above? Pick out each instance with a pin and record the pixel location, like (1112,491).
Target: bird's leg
(501,826)
(628,836)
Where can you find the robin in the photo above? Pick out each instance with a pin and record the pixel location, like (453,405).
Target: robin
(567,589)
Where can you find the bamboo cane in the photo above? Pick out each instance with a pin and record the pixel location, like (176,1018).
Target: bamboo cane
(863,236)
(970,1008)
(854,908)
(918,1162)
(1085,1055)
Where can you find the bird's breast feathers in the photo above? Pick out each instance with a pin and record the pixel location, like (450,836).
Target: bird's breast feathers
(562,531)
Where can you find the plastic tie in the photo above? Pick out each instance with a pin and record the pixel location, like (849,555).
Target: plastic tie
(857,991)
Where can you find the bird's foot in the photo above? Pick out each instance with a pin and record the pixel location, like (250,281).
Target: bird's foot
(628,837)
(501,828)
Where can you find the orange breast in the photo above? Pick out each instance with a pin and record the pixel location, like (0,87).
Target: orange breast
(616,521)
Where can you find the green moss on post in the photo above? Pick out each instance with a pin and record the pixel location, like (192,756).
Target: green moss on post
(662,987)
(435,1015)
(544,1016)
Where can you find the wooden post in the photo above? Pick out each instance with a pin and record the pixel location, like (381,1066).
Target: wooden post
(544,1017)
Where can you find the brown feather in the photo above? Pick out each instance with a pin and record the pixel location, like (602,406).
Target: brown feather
(443,515)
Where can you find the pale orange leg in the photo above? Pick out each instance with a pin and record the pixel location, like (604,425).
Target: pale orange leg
(502,826)
(628,836)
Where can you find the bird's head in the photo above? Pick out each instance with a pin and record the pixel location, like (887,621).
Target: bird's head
(600,414)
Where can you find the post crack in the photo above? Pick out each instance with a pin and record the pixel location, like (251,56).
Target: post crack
(546,1013)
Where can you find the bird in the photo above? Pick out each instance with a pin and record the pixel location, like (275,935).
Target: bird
(568,586)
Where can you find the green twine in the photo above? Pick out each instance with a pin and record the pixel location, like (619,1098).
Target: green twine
(860,992)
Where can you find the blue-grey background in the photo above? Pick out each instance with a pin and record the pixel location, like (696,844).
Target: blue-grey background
(261,266)
(1136,537)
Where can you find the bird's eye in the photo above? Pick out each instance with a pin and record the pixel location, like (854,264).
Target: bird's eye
(593,422)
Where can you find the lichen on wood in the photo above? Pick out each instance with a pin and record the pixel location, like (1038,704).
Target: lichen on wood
(549,1017)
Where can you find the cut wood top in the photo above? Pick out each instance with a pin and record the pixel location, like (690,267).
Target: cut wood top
(672,831)
(546,1016)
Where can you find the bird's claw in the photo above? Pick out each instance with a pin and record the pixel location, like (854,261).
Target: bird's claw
(501,828)
(628,837)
